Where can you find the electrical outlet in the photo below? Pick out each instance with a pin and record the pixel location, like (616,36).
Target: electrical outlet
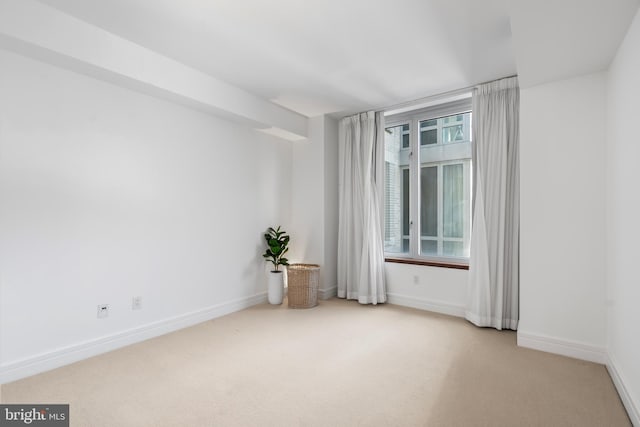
(103,311)
(136,303)
(416,279)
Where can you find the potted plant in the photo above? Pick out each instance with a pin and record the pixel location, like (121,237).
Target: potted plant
(277,242)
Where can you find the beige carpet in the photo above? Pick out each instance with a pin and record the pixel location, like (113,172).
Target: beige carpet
(339,364)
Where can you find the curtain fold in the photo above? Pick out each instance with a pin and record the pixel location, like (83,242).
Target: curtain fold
(360,245)
(493,291)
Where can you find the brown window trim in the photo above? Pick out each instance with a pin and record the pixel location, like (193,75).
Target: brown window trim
(414,261)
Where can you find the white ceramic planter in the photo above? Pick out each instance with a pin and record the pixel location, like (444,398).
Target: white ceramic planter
(275,290)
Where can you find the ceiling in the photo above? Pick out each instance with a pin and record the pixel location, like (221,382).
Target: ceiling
(338,57)
(564,38)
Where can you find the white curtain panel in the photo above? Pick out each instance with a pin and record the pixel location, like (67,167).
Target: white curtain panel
(360,245)
(494,264)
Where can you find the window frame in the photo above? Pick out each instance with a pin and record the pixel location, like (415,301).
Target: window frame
(414,118)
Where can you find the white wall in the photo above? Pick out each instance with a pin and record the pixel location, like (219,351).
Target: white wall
(562,276)
(108,194)
(307,209)
(623,212)
(439,289)
(314,201)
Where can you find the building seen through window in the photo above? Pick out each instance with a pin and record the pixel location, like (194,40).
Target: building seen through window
(427,184)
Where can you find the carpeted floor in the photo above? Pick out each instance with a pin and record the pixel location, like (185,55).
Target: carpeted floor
(338,364)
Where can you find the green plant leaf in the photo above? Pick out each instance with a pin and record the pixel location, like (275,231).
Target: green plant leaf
(277,241)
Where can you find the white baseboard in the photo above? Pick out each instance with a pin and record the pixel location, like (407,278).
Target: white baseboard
(327,293)
(423,304)
(13,371)
(563,347)
(627,401)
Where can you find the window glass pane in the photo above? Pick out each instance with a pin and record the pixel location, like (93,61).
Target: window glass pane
(429,201)
(453,200)
(387,200)
(453,249)
(429,137)
(429,247)
(453,134)
(405,202)
(396,191)
(405,140)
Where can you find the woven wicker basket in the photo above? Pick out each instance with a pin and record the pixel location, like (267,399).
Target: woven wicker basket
(303,281)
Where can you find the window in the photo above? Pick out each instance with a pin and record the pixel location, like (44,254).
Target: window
(427,185)
(405,136)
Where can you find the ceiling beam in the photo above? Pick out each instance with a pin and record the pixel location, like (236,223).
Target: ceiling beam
(46,34)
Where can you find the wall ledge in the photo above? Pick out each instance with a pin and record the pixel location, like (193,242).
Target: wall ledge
(563,347)
(426,304)
(324,294)
(625,396)
(13,371)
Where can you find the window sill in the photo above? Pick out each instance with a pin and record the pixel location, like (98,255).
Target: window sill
(444,264)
